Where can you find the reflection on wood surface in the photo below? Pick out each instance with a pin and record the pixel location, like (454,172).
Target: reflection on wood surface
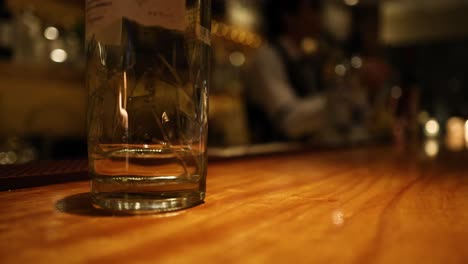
(355,206)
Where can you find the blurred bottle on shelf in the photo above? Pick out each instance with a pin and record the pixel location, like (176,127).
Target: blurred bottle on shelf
(348,100)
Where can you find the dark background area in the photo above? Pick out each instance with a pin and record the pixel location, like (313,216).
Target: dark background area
(412,56)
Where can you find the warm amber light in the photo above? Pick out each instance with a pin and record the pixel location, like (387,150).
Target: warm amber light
(224,29)
(249,39)
(123,103)
(242,36)
(58,55)
(466,133)
(340,70)
(351,2)
(356,62)
(234,34)
(432,128)
(51,33)
(237,58)
(214,27)
(257,42)
(455,139)
(309,45)
(431,148)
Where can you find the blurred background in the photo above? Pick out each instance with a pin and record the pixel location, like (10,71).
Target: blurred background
(400,66)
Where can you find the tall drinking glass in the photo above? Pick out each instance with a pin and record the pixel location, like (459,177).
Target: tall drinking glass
(148,81)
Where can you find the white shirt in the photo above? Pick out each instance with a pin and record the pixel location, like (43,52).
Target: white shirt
(271,90)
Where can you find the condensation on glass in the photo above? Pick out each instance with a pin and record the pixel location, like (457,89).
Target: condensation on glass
(148,78)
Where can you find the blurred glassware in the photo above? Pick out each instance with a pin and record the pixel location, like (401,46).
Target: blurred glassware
(348,102)
(14,150)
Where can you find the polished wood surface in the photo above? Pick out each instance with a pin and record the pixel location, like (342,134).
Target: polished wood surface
(353,206)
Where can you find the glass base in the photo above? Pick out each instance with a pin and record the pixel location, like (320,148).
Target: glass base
(146,203)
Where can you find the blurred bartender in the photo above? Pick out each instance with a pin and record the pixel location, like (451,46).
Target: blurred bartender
(284,98)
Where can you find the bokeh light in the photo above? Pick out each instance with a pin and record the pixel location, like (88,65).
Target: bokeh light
(51,33)
(431,148)
(237,58)
(356,62)
(466,133)
(58,55)
(432,128)
(455,138)
(340,70)
(351,2)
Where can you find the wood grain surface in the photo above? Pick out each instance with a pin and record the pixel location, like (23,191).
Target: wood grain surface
(353,206)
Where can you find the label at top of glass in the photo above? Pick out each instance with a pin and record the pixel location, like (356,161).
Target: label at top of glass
(104,17)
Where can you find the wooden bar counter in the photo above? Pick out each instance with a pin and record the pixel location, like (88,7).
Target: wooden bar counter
(342,206)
